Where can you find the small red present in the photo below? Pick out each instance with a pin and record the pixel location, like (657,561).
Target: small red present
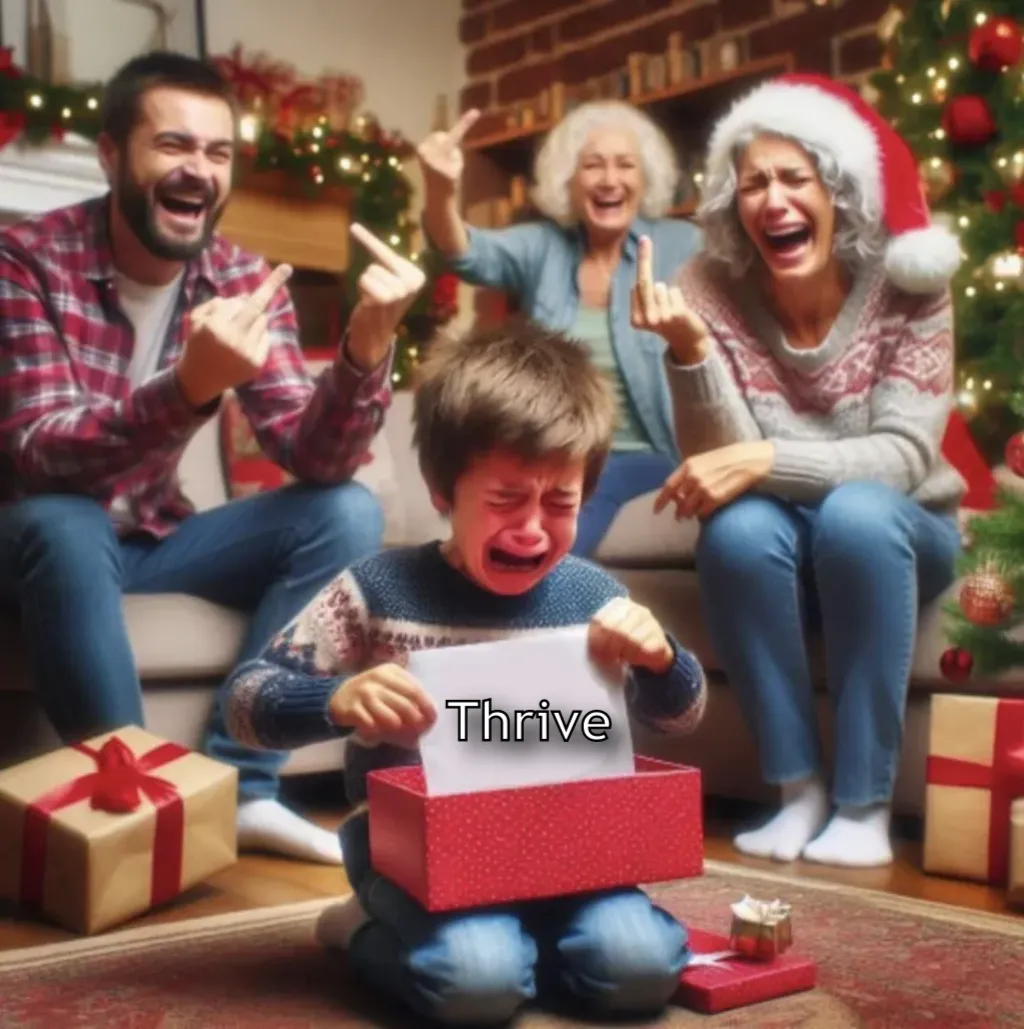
(497,846)
(725,979)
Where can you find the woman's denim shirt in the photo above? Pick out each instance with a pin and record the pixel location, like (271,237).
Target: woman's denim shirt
(537,263)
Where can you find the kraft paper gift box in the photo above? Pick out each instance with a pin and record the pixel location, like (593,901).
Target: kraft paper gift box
(974,772)
(1016,890)
(94,834)
(491,847)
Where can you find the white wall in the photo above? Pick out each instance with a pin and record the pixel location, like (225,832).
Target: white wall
(406,51)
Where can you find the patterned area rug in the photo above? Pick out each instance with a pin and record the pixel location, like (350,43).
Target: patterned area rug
(883,962)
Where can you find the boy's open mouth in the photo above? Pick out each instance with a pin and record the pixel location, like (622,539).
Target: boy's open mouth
(515,562)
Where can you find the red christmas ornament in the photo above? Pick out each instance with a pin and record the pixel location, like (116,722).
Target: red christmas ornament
(996,45)
(956,664)
(968,121)
(1015,454)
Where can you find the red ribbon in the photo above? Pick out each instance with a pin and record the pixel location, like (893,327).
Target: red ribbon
(1004,778)
(117,786)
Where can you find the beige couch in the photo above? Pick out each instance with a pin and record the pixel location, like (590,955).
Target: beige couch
(184,646)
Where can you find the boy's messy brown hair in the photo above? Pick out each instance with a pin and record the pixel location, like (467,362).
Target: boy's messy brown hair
(520,388)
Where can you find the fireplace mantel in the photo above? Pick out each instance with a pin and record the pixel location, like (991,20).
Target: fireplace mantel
(34,179)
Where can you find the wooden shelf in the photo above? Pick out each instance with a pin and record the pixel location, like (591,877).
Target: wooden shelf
(263,216)
(711,92)
(686,210)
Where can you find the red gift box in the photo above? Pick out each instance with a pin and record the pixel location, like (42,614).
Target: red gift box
(739,982)
(474,849)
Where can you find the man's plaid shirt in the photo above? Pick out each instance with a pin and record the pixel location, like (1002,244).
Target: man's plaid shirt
(69,419)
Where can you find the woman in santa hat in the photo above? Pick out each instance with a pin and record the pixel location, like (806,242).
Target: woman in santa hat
(811,366)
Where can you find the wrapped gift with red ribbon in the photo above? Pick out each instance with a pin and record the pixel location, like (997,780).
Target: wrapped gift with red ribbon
(975,771)
(93,834)
(1015,893)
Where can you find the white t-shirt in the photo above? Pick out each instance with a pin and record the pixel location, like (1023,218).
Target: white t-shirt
(149,309)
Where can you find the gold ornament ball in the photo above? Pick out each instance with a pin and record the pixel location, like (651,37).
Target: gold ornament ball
(938,176)
(986,598)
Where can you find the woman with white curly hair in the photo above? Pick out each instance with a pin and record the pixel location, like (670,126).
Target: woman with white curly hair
(604,178)
(811,365)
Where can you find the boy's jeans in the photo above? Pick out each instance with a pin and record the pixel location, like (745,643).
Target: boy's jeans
(612,952)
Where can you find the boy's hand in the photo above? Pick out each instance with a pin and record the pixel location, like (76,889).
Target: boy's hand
(623,632)
(382,701)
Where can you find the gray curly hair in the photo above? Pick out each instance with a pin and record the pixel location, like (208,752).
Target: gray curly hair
(557,160)
(859,236)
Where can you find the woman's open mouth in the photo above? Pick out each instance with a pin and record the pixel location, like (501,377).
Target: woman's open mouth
(607,205)
(789,243)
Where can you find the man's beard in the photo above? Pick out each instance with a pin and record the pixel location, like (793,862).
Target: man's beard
(140,212)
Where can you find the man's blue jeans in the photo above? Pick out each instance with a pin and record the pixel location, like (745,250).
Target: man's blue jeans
(858,566)
(612,953)
(65,572)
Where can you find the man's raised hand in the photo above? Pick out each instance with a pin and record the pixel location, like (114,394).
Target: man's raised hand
(440,154)
(386,291)
(228,341)
(660,308)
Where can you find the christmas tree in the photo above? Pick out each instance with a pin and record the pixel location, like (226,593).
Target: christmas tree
(953,85)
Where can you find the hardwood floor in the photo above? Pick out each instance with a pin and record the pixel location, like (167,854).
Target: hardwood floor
(257,881)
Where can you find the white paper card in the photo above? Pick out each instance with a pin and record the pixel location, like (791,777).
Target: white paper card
(478,690)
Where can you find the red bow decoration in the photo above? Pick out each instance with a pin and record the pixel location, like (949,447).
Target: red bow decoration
(120,781)
(257,81)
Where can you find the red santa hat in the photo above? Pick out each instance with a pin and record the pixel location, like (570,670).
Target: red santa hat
(920,256)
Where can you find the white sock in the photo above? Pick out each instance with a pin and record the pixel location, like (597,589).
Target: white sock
(804,811)
(857,837)
(268,825)
(337,924)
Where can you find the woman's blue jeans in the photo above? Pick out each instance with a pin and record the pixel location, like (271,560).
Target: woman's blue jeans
(857,567)
(626,476)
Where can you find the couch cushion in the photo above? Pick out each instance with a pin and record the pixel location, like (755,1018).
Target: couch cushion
(173,636)
(640,538)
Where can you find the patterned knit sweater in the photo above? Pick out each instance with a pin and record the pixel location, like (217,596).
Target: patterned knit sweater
(870,402)
(403,600)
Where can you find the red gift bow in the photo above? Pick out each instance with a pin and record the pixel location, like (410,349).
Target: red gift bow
(116,786)
(1004,778)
